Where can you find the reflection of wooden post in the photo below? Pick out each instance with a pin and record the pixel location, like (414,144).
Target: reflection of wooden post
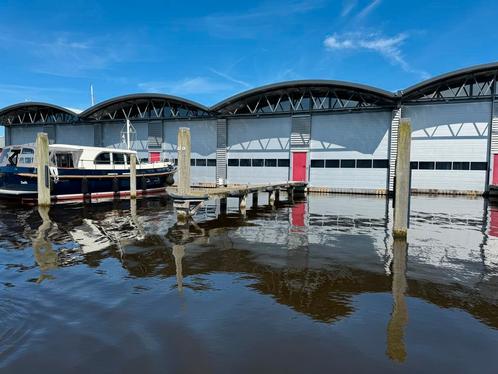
(399,317)
(402,188)
(254,200)
(178,253)
(184,148)
(271,198)
(42,170)
(45,256)
(290,194)
(243,204)
(223,205)
(133,176)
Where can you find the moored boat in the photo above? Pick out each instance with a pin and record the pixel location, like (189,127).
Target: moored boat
(77,172)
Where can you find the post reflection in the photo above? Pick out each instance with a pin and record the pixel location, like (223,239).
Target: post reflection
(178,253)
(396,349)
(45,256)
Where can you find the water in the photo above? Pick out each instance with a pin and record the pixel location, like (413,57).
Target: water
(309,287)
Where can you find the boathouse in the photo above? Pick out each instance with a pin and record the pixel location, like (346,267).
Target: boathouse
(338,136)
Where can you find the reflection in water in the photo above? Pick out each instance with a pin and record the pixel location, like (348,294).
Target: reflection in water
(178,253)
(396,349)
(45,256)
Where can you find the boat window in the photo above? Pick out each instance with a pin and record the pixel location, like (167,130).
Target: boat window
(103,158)
(118,158)
(27,156)
(4,157)
(64,160)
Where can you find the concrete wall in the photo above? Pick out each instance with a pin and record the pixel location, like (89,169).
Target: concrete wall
(258,138)
(350,136)
(449,132)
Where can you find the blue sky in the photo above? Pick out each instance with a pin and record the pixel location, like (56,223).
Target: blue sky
(208,50)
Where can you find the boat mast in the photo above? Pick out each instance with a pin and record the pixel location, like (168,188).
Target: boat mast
(128,124)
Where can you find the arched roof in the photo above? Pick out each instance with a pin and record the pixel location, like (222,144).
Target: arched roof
(313,89)
(478,78)
(154,105)
(35,113)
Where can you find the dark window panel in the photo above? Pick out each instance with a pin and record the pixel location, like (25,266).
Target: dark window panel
(258,162)
(426,165)
(245,162)
(211,162)
(103,159)
(271,162)
(175,161)
(413,165)
(364,164)
(348,163)
(283,162)
(200,162)
(331,163)
(192,162)
(380,164)
(478,165)
(233,162)
(443,165)
(317,163)
(461,165)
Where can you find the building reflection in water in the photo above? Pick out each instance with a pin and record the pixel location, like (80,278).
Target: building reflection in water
(396,349)
(45,256)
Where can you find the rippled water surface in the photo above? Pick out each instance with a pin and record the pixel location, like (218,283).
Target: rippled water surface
(307,287)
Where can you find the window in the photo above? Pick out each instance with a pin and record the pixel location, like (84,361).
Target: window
(258,162)
(192,162)
(27,156)
(200,162)
(283,162)
(233,162)
(443,165)
(478,165)
(461,165)
(118,158)
(64,160)
(348,163)
(245,162)
(103,158)
(414,165)
(211,162)
(4,157)
(380,164)
(426,165)
(271,162)
(317,163)
(364,164)
(331,163)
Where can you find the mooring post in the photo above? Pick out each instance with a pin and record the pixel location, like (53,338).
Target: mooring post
(42,169)
(133,176)
(223,205)
(184,148)
(254,200)
(403,175)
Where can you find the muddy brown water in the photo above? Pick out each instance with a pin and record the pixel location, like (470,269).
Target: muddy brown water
(312,286)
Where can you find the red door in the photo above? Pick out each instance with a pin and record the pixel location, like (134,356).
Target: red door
(299,166)
(154,156)
(495,170)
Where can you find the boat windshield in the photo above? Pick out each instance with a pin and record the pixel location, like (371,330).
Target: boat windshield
(27,157)
(3,157)
(9,156)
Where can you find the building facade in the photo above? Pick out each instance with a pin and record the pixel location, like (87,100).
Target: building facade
(339,136)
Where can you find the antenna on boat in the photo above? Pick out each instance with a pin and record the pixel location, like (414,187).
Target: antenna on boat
(127,133)
(92,96)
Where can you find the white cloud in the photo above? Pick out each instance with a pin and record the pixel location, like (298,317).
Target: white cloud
(185,87)
(368,8)
(347,7)
(388,47)
(230,78)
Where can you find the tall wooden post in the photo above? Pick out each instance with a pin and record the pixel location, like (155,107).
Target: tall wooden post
(184,148)
(42,169)
(403,175)
(133,176)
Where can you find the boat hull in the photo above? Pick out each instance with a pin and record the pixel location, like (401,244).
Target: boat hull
(77,184)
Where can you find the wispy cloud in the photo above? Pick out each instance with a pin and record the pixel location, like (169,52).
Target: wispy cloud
(230,78)
(187,86)
(388,47)
(347,7)
(366,11)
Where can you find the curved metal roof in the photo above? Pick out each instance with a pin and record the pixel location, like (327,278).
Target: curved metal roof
(145,96)
(483,68)
(34,104)
(304,84)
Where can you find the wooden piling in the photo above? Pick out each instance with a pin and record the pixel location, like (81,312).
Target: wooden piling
(42,167)
(403,175)
(184,148)
(133,176)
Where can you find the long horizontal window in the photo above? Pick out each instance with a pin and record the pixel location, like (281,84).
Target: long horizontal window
(258,162)
(448,165)
(202,162)
(349,164)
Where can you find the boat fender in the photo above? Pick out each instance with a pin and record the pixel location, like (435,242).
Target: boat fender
(54,173)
